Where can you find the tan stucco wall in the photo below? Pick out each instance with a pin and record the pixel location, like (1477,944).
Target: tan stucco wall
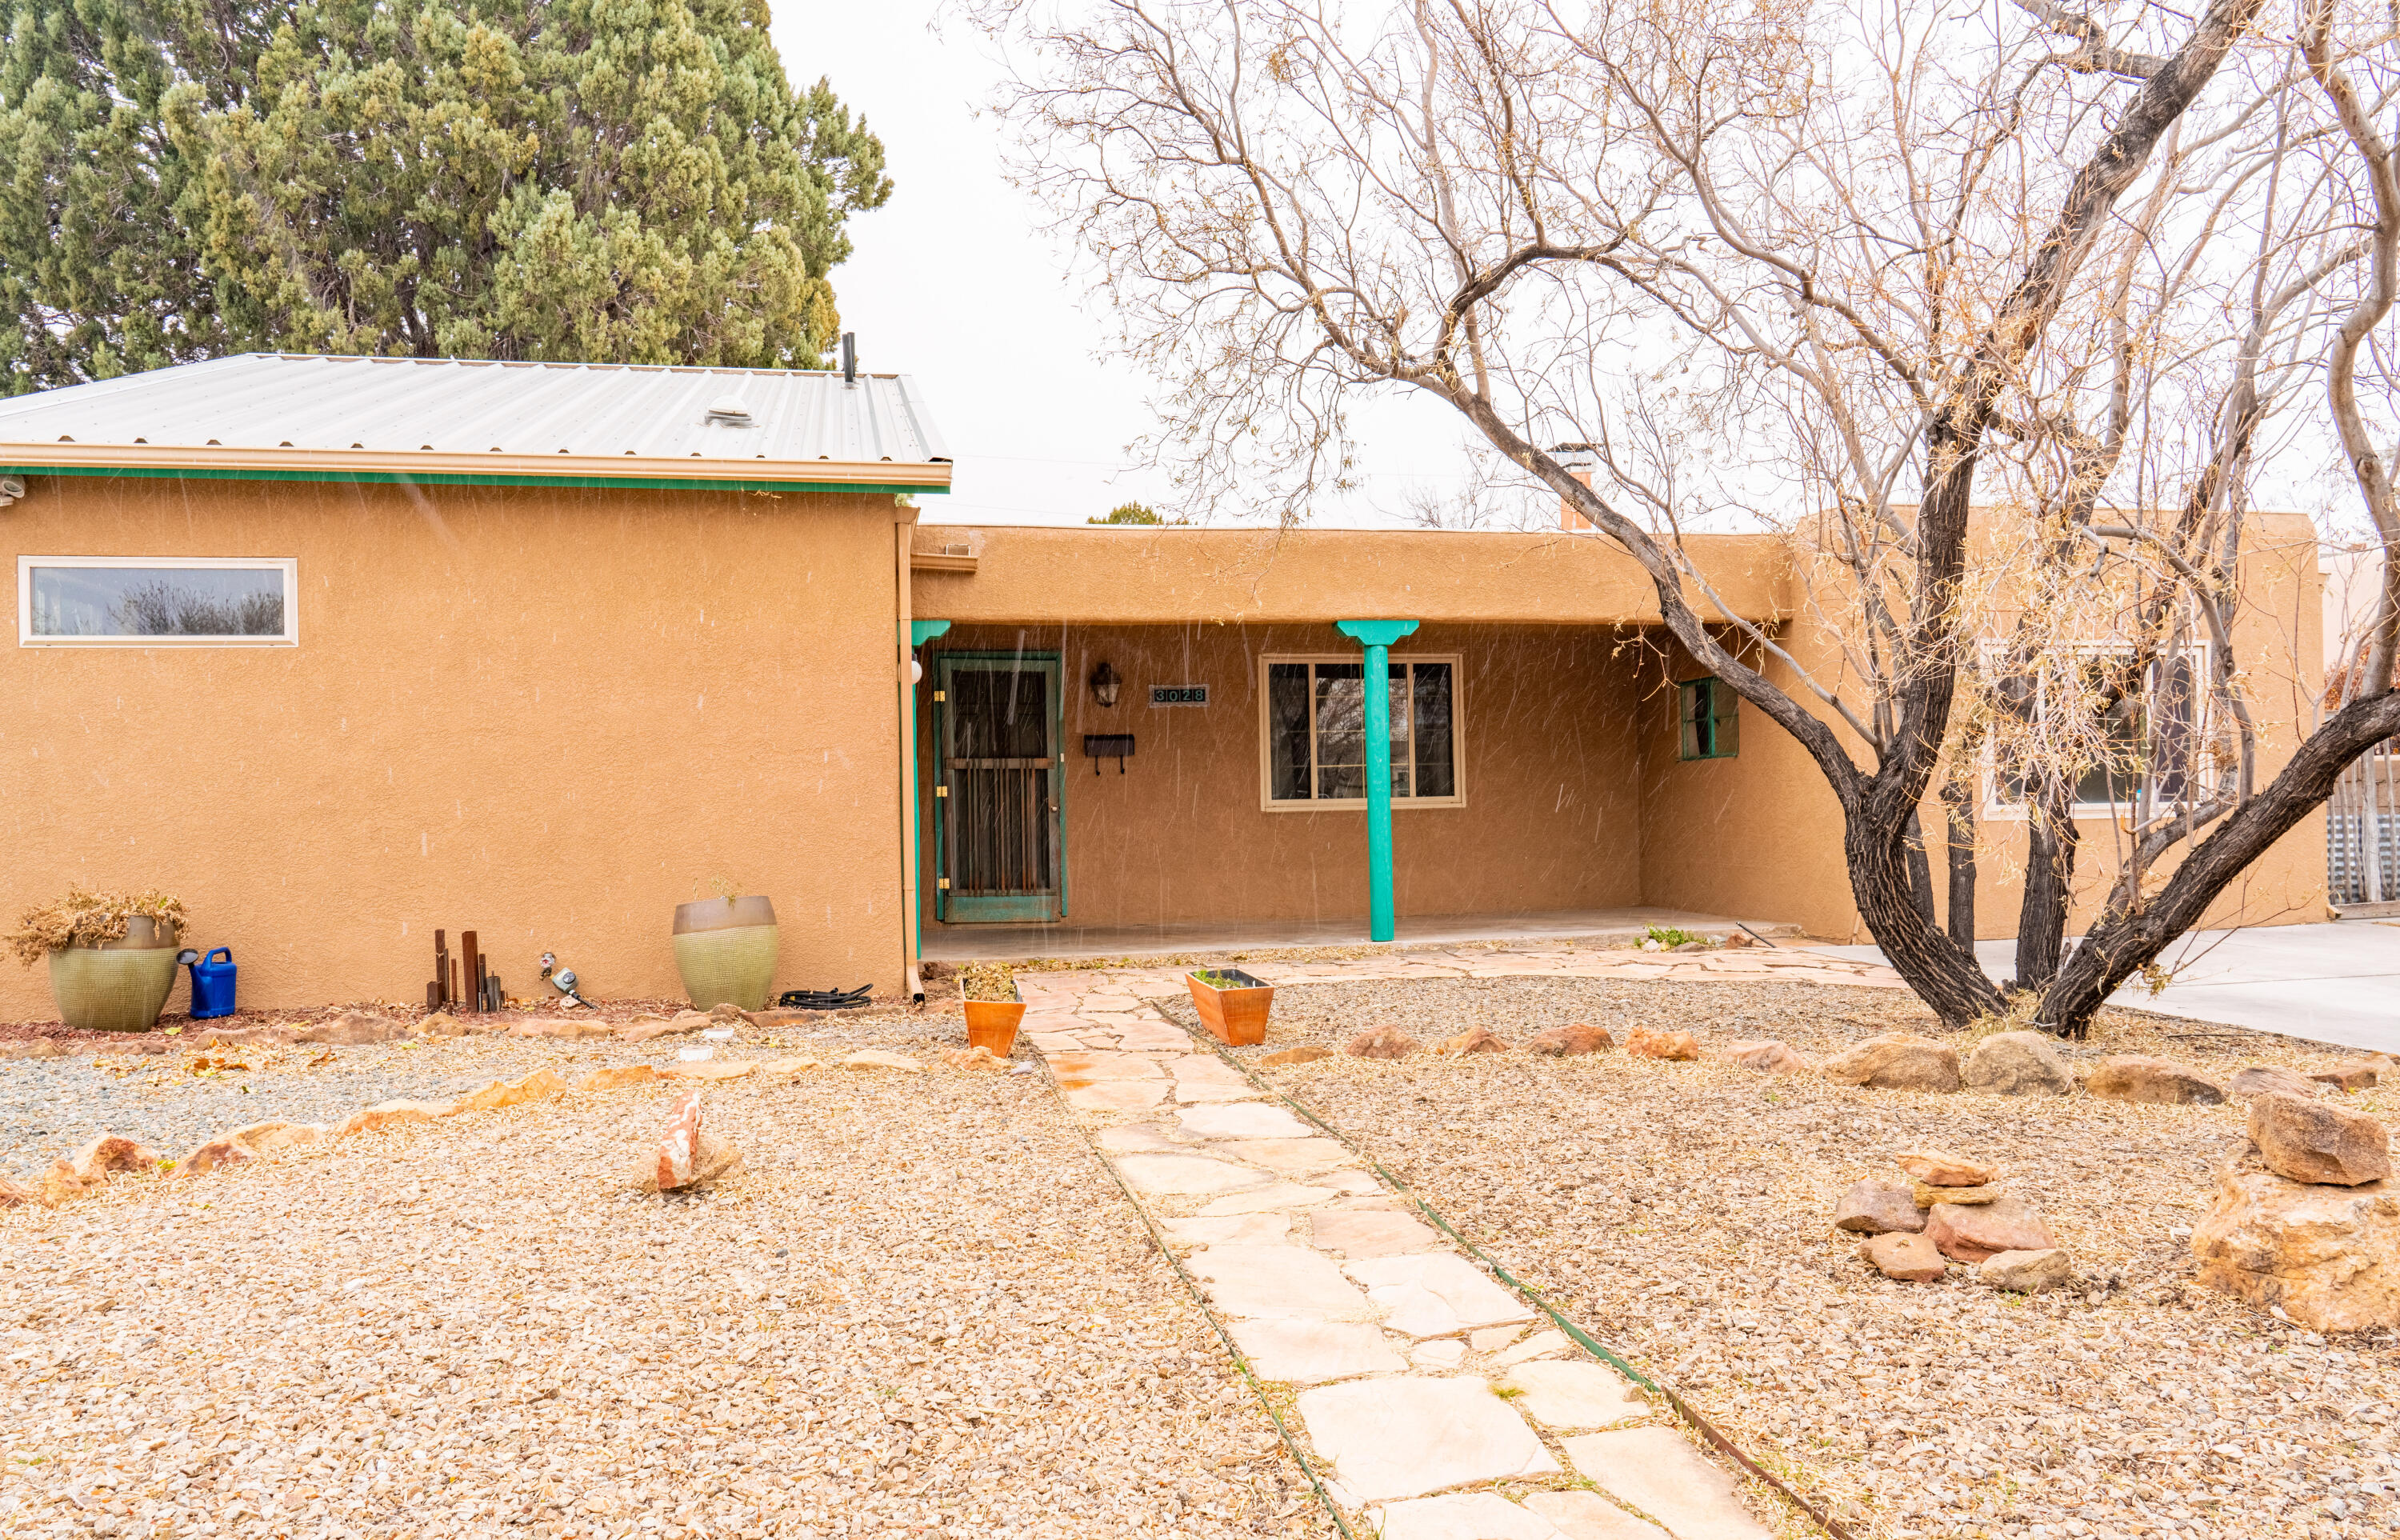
(1549,820)
(1135,575)
(546,717)
(1762,833)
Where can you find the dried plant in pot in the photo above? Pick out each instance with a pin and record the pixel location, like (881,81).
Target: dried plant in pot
(993,1007)
(112,956)
(1232,1005)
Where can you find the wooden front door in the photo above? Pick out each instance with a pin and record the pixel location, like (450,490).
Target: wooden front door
(1003,841)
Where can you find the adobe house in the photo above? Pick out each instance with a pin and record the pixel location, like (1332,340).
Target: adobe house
(343,650)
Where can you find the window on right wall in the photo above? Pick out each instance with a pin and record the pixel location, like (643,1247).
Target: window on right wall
(1707,719)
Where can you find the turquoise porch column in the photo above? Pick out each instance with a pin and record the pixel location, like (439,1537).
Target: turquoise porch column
(1377,636)
(918,633)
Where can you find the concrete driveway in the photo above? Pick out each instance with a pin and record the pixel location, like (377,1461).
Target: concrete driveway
(2332,983)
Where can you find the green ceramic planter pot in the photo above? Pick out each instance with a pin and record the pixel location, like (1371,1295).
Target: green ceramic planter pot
(116,986)
(725,948)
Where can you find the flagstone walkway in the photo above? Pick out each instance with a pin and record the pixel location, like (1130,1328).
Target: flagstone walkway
(1429,1397)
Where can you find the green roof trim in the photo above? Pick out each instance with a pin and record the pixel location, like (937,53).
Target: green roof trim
(394,478)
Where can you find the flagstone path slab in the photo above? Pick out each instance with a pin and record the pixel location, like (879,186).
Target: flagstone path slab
(1409,1435)
(1281,1195)
(1303,1352)
(1313,1154)
(1140,1139)
(1589,1516)
(1186,1174)
(1361,1233)
(1655,1470)
(1440,1353)
(1105,1066)
(1435,1293)
(1113,1095)
(1243,1121)
(1232,1229)
(1462,1516)
(1158,1035)
(1541,1344)
(1280,1282)
(1569,1395)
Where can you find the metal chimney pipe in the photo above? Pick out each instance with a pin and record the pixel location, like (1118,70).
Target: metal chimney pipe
(850,358)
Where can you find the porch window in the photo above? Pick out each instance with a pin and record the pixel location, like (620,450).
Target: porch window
(1708,715)
(1316,731)
(2137,713)
(156,601)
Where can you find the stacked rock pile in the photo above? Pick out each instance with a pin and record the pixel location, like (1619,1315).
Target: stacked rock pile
(2304,1223)
(1950,1211)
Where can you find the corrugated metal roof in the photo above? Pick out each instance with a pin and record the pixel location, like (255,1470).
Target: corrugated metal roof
(302,413)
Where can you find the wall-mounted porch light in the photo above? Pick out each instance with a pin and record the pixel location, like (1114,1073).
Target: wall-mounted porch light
(1105,683)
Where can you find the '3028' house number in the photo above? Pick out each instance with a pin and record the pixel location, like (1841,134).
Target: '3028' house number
(1179,695)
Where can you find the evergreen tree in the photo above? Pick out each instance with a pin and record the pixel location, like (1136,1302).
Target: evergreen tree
(619,180)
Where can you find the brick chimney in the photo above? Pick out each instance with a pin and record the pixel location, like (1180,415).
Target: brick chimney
(1578,464)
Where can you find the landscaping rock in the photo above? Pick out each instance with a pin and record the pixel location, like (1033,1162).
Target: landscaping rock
(13,1195)
(390,1113)
(352,1029)
(671,1164)
(1911,1259)
(1308,1053)
(2328,1256)
(263,1137)
(2028,1271)
(1979,1231)
(1941,1168)
(223,1150)
(2140,1077)
(1566,1042)
(1878,1208)
(1767,1055)
(1646,1043)
(875,1059)
(440,1024)
(2017,1064)
(2356,1075)
(735,1068)
(2314,1141)
(1480,1040)
(1381,1042)
(2257,1080)
(976,1058)
(619,1076)
(570,1028)
(1926,1196)
(538,1086)
(110,1152)
(1896,1062)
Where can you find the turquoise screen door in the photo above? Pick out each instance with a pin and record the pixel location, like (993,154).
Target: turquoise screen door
(1002,842)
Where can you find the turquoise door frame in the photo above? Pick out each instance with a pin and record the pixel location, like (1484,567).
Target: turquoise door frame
(953,909)
(916,635)
(1377,637)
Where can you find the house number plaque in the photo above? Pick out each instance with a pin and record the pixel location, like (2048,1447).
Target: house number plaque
(1179,695)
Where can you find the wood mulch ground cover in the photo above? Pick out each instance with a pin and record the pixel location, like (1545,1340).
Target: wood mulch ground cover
(1682,1212)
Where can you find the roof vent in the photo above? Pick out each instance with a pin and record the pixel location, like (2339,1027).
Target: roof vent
(729,410)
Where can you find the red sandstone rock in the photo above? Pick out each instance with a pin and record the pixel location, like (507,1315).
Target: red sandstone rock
(1565,1041)
(1647,1042)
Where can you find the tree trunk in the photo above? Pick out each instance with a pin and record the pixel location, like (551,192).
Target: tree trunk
(1943,974)
(2050,874)
(1958,802)
(2135,930)
(1920,870)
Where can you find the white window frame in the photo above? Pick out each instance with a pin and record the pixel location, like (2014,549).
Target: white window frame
(1999,808)
(289,564)
(1267,800)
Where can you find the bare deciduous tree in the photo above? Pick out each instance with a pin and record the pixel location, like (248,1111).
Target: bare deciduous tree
(2004,299)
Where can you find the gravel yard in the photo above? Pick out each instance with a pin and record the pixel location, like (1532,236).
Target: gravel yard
(923,1308)
(172,1097)
(1683,1212)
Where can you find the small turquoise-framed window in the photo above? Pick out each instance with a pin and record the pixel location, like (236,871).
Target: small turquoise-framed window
(1710,717)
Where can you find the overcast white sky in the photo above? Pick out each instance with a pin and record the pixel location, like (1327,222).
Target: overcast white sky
(952,283)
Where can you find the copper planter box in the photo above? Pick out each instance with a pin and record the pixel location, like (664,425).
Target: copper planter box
(993,1024)
(1232,1004)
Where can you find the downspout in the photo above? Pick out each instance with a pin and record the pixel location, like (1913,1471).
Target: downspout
(903,530)
(1377,637)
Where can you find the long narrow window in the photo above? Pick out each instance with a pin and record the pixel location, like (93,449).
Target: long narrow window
(2131,735)
(1707,719)
(1316,731)
(156,601)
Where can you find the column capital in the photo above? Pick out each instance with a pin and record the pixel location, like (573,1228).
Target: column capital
(1375,633)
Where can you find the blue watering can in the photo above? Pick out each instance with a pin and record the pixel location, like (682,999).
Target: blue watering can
(212,982)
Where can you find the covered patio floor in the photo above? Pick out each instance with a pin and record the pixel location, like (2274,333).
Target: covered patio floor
(1013,942)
